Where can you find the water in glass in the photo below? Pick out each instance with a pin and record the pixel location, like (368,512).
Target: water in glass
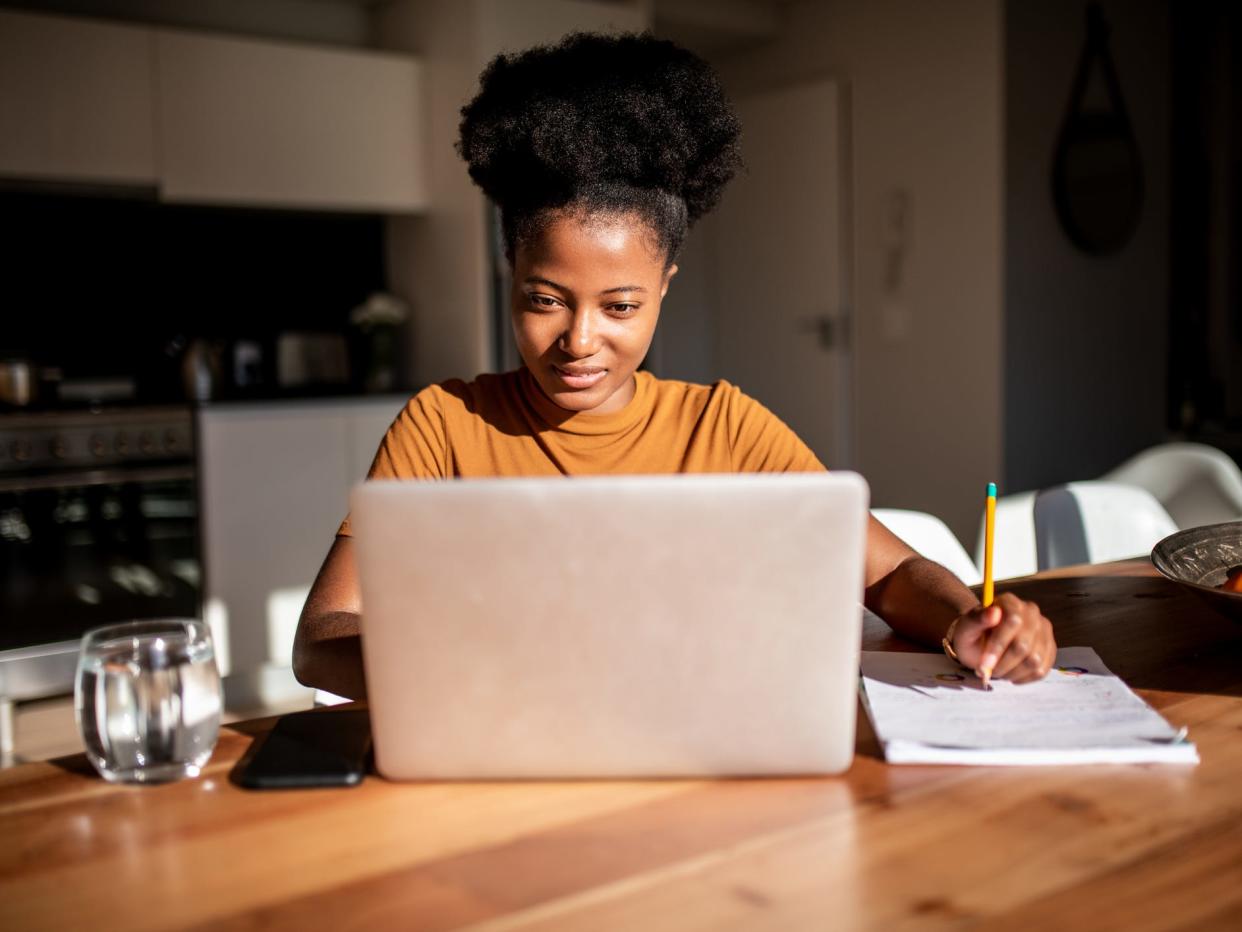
(148,700)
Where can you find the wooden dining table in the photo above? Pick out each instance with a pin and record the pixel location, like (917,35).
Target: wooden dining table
(881,846)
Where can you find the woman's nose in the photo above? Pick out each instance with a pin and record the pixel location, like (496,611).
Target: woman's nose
(579,339)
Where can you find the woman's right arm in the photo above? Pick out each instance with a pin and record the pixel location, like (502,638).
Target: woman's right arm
(327,650)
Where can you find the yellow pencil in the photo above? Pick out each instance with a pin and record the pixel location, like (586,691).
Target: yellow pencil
(989,532)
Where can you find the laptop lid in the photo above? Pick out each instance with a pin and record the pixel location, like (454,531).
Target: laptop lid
(618,626)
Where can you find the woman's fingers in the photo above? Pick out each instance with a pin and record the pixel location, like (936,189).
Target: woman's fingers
(1032,651)
(972,633)
(1029,670)
(998,653)
(1011,638)
(1022,645)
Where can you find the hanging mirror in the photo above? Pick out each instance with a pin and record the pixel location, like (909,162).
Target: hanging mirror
(1097,175)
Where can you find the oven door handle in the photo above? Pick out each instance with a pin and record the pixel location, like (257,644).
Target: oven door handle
(89,477)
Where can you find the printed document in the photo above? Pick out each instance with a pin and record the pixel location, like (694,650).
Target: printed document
(927,709)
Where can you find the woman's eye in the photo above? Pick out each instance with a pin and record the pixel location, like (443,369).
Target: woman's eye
(622,310)
(542,300)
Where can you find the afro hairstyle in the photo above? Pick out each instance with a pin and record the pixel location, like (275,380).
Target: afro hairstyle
(601,124)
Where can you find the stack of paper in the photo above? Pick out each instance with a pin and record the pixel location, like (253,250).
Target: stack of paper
(928,710)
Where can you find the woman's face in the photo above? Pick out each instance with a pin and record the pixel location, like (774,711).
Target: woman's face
(586,297)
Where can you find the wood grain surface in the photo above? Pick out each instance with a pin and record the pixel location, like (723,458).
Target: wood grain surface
(1153,846)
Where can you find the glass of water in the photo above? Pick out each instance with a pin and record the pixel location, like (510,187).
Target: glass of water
(147,699)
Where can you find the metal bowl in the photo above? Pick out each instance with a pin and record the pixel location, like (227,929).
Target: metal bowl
(1199,558)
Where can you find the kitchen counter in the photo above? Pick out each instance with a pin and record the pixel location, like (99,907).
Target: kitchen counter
(312,397)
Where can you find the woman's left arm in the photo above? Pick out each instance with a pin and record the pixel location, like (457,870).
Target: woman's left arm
(920,600)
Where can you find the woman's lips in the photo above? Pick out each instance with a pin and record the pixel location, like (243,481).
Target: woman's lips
(580,378)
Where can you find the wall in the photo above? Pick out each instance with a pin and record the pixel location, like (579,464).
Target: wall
(506,26)
(1205,316)
(438,260)
(925,82)
(682,348)
(1085,338)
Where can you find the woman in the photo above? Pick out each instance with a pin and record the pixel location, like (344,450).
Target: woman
(600,152)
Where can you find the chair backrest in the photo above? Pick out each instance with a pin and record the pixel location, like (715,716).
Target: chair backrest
(1094,522)
(932,538)
(1013,550)
(1196,483)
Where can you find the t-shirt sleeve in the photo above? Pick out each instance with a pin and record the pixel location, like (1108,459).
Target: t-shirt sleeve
(414,447)
(762,442)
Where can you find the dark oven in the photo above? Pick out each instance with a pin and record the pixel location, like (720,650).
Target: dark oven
(98,524)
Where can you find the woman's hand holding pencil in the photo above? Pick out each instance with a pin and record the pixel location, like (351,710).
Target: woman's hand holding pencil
(1006,638)
(1009,639)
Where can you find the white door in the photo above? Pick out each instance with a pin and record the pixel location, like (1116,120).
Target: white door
(782,282)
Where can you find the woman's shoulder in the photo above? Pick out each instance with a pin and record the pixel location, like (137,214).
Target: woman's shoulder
(438,421)
(466,396)
(758,439)
(720,396)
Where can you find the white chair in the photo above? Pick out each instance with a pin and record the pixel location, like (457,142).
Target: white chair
(932,538)
(1197,484)
(1013,549)
(1095,522)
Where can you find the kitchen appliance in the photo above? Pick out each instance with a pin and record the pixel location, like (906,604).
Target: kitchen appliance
(247,365)
(201,369)
(98,524)
(17,382)
(305,360)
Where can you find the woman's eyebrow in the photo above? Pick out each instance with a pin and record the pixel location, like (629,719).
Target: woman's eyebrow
(536,280)
(533,280)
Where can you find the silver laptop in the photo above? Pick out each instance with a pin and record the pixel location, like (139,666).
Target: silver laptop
(611,627)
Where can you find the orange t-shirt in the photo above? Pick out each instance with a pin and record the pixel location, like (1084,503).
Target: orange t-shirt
(503,425)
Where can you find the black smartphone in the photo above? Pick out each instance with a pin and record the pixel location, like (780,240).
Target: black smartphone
(320,747)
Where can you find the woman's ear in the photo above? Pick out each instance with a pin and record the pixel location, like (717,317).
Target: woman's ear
(668,277)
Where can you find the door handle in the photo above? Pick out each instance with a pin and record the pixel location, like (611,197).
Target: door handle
(832,332)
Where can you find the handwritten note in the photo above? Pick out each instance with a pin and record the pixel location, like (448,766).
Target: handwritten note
(927,709)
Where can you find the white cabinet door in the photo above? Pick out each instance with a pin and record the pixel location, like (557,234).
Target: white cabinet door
(270,482)
(274,482)
(264,123)
(76,100)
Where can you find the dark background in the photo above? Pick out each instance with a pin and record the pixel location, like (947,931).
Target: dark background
(118,285)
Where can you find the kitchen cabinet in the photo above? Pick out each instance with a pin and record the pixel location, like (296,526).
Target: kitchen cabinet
(274,485)
(251,122)
(76,100)
(210,119)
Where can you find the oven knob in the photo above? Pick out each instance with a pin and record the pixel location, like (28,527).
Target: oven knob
(58,448)
(172,442)
(121,444)
(21,450)
(99,446)
(146,443)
